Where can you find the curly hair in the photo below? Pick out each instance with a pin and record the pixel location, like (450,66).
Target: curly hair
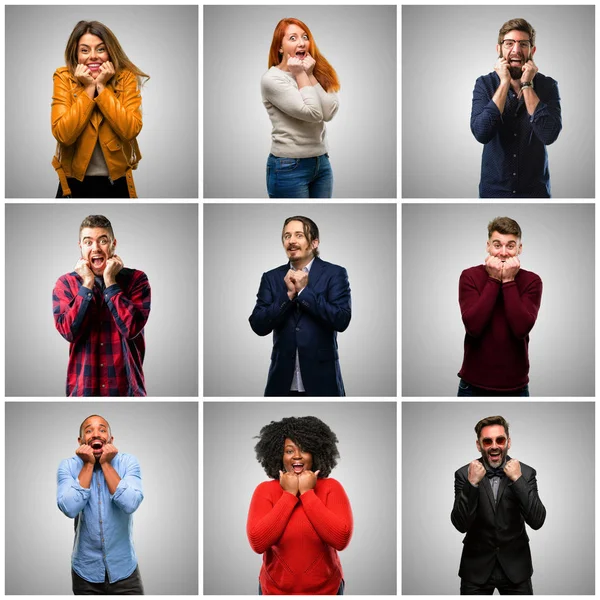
(308,433)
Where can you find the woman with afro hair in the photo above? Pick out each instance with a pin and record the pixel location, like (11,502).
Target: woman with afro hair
(301,517)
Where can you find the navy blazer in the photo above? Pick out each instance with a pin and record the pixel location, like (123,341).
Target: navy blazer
(309,323)
(496,529)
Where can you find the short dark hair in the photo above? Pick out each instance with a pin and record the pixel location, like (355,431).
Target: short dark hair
(310,434)
(504,225)
(89,417)
(518,25)
(497,420)
(96,221)
(311,231)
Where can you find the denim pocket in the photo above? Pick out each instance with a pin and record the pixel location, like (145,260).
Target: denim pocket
(283,165)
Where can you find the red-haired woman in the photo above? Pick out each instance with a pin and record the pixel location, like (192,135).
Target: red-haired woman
(298,93)
(96,116)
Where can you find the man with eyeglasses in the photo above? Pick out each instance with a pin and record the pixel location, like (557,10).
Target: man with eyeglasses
(515,114)
(499,304)
(494,496)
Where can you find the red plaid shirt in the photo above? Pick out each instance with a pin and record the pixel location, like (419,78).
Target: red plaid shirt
(105,329)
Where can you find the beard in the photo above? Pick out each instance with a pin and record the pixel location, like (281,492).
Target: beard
(515,72)
(486,460)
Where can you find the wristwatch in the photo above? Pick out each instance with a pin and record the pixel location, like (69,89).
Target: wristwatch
(527,84)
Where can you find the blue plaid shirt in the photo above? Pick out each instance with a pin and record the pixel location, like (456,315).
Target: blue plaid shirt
(103,538)
(515,160)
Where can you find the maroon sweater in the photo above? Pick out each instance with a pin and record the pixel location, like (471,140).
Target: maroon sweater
(498,318)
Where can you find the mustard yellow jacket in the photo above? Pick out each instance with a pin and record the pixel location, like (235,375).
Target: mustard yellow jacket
(114,117)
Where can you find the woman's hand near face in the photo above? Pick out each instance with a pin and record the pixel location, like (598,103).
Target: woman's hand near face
(308,64)
(289,482)
(307,480)
(106,71)
(84,76)
(295,65)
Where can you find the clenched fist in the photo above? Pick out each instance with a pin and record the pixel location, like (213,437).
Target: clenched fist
(513,469)
(502,68)
(307,481)
(86,454)
(289,482)
(108,453)
(493,266)
(529,71)
(476,472)
(82,268)
(510,268)
(113,265)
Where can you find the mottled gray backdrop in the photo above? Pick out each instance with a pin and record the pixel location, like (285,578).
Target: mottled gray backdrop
(161,40)
(555,438)
(445,49)
(163,436)
(242,241)
(366,469)
(360,44)
(41,246)
(440,241)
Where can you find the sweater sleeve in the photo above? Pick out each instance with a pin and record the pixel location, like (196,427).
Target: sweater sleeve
(331,519)
(522,309)
(329,102)
(267,519)
(476,308)
(302,104)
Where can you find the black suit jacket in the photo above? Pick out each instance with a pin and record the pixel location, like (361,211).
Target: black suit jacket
(496,529)
(309,323)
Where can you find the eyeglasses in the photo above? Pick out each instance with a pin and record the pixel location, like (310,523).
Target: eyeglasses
(524,44)
(487,442)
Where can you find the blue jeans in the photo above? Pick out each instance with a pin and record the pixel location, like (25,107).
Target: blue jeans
(466,389)
(340,591)
(299,177)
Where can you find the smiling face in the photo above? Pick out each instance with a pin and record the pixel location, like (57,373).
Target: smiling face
(493,444)
(92,52)
(518,55)
(504,245)
(295,42)
(297,247)
(294,460)
(97,246)
(95,432)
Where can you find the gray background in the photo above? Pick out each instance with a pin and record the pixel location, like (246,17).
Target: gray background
(360,44)
(555,438)
(366,469)
(241,242)
(441,158)
(161,40)
(440,241)
(163,436)
(41,246)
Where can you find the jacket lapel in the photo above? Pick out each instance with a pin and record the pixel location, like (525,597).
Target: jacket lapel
(503,483)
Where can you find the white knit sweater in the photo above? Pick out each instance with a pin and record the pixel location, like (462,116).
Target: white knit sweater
(298,115)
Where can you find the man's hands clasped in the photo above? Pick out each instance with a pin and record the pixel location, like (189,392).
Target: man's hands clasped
(502,271)
(295,282)
(476,471)
(86,454)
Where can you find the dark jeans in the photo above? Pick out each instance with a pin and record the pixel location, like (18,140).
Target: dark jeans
(340,591)
(466,389)
(130,585)
(499,581)
(96,187)
(299,177)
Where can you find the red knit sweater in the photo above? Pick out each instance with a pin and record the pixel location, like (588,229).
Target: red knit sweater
(498,318)
(299,536)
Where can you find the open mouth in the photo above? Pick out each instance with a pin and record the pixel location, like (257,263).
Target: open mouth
(93,66)
(97,445)
(97,261)
(300,54)
(495,456)
(298,467)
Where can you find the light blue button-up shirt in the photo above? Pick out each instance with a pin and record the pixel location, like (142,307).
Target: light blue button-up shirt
(103,540)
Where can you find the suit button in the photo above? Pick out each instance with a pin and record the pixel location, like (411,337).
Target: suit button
(297,328)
